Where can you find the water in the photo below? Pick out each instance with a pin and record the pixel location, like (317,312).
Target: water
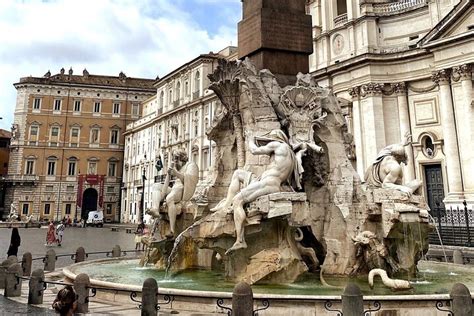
(435,278)
(439,236)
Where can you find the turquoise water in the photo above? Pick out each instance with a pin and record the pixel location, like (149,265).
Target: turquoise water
(433,278)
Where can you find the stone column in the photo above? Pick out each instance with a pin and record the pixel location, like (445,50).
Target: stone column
(357,124)
(448,122)
(405,128)
(464,73)
(372,118)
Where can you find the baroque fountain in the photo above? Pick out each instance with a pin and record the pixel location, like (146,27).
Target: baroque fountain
(283,208)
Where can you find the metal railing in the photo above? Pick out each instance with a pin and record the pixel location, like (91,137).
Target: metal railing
(340,20)
(454,225)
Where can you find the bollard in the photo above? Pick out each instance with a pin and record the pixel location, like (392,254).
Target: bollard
(149,297)
(242,300)
(457,257)
(12,282)
(352,301)
(3,270)
(26,263)
(461,300)
(36,287)
(50,260)
(116,252)
(80,255)
(81,287)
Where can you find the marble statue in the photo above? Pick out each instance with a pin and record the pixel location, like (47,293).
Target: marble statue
(394,284)
(284,168)
(386,171)
(187,176)
(13,214)
(372,254)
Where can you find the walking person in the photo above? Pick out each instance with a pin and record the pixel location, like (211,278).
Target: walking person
(60,232)
(50,235)
(65,303)
(15,242)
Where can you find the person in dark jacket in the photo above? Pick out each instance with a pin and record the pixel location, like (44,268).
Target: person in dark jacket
(15,242)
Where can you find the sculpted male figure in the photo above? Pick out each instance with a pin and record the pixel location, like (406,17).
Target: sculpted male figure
(187,176)
(283,166)
(387,172)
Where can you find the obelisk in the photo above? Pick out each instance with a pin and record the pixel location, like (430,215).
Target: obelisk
(276,35)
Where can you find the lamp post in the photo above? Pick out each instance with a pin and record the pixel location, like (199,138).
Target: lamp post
(142,202)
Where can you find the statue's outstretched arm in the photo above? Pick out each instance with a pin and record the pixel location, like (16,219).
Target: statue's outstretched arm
(267,149)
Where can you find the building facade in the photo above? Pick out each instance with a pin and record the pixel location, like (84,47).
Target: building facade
(67,143)
(403,67)
(175,118)
(5,137)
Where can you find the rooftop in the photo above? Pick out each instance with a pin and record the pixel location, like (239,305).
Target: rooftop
(5,134)
(63,78)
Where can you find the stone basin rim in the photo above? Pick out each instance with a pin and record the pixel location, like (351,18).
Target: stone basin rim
(68,272)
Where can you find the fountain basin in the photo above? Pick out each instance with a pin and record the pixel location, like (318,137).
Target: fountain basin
(199,290)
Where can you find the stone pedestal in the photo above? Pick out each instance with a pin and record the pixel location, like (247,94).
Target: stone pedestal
(276,35)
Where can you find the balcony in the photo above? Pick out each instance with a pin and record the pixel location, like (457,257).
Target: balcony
(340,20)
(398,7)
(15,179)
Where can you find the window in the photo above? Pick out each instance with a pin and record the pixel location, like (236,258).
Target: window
(67,210)
(74,132)
(341,7)
(114,136)
(54,131)
(47,209)
(57,105)
(170,96)
(186,88)
(108,209)
(197,82)
(112,169)
(97,107)
(162,99)
(49,188)
(77,106)
(70,188)
(135,109)
(71,169)
(25,209)
(92,168)
(205,160)
(34,132)
(110,189)
(36,104)
(51,168)
(178,90)
(95,133)
(116,109)
(30,167)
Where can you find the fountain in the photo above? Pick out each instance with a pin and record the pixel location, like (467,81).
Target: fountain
(283,208)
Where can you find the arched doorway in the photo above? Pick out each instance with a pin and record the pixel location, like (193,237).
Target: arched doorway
(89,202)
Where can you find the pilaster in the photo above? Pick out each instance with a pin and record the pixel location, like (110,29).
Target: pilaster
(448,122)
(357,124)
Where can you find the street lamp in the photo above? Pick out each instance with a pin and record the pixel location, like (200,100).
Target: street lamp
(142,202)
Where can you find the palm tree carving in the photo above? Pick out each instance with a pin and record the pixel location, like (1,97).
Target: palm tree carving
(226,85)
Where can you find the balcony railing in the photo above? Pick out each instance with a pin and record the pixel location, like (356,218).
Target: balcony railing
(19,178)
(340,20)
(398,7)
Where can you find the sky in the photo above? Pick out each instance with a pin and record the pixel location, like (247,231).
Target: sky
(142,38)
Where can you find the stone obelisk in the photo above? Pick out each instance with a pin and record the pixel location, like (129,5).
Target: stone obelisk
(276,35)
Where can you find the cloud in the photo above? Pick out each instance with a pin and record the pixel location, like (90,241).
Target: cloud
(143,38)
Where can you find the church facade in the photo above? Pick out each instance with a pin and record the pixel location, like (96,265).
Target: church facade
(403,67)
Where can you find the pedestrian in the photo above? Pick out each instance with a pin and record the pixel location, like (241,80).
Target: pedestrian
(65,303)
(50,235)
(60,232)
(15,242)
(138,235)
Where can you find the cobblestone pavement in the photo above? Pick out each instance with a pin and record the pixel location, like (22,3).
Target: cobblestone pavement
(91,238)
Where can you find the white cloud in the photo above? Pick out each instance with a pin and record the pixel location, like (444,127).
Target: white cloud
(143,38)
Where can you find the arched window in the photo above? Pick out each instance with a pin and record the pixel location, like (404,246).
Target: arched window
(170,96)
(186,88)
(197,82)
(162,99)
(178,91)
